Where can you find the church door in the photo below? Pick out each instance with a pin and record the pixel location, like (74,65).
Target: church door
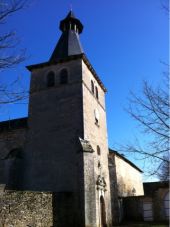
(103,212)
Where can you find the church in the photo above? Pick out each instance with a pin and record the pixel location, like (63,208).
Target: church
(55,165)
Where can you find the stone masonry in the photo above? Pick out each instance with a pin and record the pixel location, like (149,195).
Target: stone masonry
(56,165)
(21,209)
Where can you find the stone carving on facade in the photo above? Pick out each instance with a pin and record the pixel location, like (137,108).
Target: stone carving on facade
(86,146)
(101,183)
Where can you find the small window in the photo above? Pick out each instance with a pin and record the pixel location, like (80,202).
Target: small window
(96,115)
(50,79)
(97,94)
(63,76)
(92,86)
(98,150)
(96,121)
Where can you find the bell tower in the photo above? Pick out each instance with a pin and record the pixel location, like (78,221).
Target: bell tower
(66,151)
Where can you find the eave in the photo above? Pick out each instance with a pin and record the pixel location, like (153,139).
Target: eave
(13,124)
(70,58)
(125,159)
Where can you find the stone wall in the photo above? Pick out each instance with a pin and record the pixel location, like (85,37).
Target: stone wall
(129,179)
(9,139)
(96,133)
(21,209)
(159,211)
(114,191)
(55,125)
(134,206)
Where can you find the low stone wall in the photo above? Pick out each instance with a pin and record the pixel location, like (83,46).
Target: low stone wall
(25,209)
(133,208)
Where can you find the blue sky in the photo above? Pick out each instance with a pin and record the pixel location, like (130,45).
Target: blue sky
(125,40)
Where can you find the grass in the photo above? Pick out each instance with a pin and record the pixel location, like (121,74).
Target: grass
(143,225)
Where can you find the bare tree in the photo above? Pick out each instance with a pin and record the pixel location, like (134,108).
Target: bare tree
(163,173)
(165,6)
(9,55)
(151,111)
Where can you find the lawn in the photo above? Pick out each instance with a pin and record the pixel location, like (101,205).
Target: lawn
(143,225)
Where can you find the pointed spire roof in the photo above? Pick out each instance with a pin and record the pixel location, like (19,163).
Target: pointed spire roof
(69,47)
(69,42)
(70,14)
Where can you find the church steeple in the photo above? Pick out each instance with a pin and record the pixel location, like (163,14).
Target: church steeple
(69,43)
(69,153)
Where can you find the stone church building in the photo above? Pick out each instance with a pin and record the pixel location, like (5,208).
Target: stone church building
(55,166)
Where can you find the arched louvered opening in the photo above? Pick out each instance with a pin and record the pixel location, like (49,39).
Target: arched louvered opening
(64,76)
(50,79)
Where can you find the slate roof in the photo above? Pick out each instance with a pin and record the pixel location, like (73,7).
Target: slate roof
(69,42)
(71,20)
(13,124)
(125,159)
(71,14)
(69,47)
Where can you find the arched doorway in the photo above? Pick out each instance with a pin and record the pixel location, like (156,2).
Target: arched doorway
(103,212)
(13,162)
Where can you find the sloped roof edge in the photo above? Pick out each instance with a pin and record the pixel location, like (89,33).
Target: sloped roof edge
(13,124)
(125,159)
(70,58)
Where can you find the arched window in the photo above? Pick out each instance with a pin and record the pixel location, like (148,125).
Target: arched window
(50,79)
(97,94)
(14,153)
(96,115)
(63,76)
(98,150)
(92,86)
